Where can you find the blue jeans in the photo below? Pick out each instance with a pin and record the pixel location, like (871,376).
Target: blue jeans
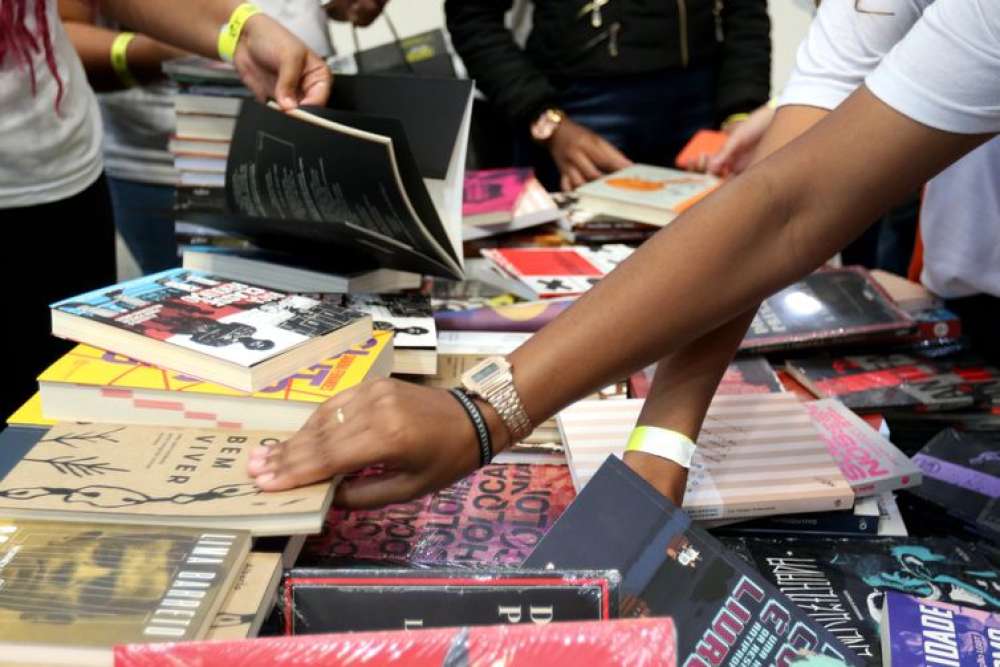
(144,218)
(648,117)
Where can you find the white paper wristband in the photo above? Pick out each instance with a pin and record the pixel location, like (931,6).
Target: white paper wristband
(662,442)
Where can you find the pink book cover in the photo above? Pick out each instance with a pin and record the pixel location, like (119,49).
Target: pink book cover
(494,190)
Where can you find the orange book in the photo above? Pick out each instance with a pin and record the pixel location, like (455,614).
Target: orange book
(704,142)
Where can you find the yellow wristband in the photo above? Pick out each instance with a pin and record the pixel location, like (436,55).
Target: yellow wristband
(229,34)
(772,103)
(119,61)
(735,118)
(662,442)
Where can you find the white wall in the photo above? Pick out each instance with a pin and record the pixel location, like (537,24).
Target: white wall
(789,22)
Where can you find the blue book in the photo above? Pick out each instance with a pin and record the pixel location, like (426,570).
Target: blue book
(927,633)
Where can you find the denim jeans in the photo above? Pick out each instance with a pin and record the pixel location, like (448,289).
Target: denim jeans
(649,117)
(144,218)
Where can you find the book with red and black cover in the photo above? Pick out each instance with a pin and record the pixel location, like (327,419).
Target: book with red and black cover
(962,476)
(725,611)
(493,517)
(232,333)
(352,600)
(555,272)
(874,382)
(828,307)
(650,642)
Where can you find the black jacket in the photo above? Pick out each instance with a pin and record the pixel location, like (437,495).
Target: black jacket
(652,35)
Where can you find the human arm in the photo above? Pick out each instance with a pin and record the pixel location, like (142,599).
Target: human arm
(93,44)
(270,60)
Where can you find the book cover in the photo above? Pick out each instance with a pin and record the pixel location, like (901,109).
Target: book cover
(251,599)
(646,193)
(493,517)
(351,600)
(757,455)
(841,583)
(534,207)
(221,320)
(155,476)
(407,316)
(872,382)
(490,196)
(93,585)
(725,612)
(826,307)
(747,375)
(871,464)
(648,642)
(962,476)
(526,317)
(919,633)
(88,384)
(30,413)
(554,272)
(703,143)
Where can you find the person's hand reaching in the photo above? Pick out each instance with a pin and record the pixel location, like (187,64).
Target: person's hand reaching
(582,155)
(743,139)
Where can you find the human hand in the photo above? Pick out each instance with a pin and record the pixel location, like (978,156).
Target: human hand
(421,436)
(743,139)
(582,155)
(359,12)
(272,62)
(666,476)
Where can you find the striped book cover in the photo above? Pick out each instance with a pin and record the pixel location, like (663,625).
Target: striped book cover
(758,455)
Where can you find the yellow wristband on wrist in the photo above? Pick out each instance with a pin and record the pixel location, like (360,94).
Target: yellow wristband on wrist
(735,118)
(663,443)
(229,34)
(119,60)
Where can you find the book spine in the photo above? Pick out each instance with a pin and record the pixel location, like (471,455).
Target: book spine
(821,524)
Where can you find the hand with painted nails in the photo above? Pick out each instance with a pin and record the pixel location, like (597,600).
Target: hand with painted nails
(419,438)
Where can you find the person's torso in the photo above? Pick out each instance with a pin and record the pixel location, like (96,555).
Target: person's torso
(46,153)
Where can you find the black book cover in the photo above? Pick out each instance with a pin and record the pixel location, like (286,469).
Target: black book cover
(725,612)
(292,182)
(827,524)
(840,583)
(827,307)
(330,600)
(425,54)
(962,476)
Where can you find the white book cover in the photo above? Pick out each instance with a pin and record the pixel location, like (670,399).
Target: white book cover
(871,464)
(758,455)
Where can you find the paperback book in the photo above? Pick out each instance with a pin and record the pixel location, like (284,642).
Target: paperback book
(641,192)
(555,272)
(251,599)
(410,320)
(352,600)
(726,613)
(228,332)
(828,307)
(88,384)
(919,633)
(499,201)
(151,476)
(757,455)
(523,317)
(748,375)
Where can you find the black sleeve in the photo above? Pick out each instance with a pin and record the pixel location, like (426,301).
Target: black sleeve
(744,81)
(499,67)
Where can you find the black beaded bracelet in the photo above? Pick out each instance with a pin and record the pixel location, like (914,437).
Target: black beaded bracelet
(478,424)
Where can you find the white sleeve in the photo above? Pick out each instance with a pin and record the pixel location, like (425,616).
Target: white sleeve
(946,72)
(843,46)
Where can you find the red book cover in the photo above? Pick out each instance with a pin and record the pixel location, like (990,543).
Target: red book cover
(555,272)
(491,195)
(495,516)
(648,642)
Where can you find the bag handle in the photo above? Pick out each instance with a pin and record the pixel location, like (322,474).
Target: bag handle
(396,40)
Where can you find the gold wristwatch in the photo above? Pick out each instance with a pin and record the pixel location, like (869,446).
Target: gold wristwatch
(492,380)
(546,124)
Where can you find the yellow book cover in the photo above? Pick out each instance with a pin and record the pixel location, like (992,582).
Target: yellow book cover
(30,414)
(94,367)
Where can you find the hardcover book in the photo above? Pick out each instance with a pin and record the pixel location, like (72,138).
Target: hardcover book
(251,599)
(874,382)
(409,318)
(841,583)
(925,633)
(555,272)
(325,600)
(871,464)
(830,306)
(88,384)
(232,333)
(726,613)
(962,476)
(648,642)
(75,589)
(493,517)
(758,455)
(150,476)
(655,195)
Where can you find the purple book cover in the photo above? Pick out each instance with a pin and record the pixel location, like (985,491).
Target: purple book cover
(495,516)
(525,317)
(925,633)
(493,190)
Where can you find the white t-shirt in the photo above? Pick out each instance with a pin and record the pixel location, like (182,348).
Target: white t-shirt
(47,154)
(138,122)
(938,62)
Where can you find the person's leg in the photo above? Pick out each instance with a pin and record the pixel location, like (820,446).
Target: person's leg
(144,218)
(50,252)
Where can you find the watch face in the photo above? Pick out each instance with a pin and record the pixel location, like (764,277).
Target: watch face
(485,372)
